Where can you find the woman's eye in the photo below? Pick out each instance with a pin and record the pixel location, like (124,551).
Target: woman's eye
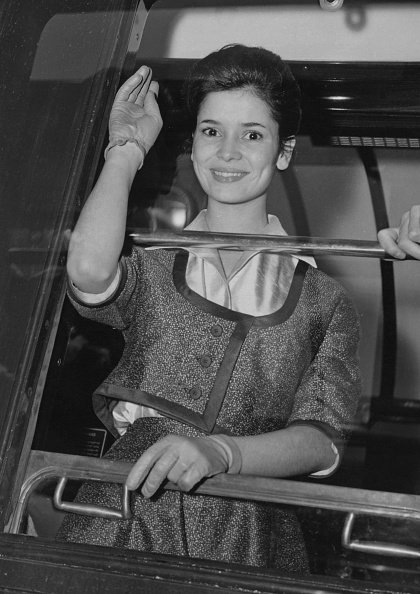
(253,135)
(210,132)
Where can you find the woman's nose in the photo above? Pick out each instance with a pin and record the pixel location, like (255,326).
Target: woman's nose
(229,149)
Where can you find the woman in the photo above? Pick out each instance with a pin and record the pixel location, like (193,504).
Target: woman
(234,362)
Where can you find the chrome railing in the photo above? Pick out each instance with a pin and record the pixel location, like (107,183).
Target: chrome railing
(47,466)
(307,246)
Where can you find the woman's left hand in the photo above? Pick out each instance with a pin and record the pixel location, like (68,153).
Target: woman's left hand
(181,460)
(405,239)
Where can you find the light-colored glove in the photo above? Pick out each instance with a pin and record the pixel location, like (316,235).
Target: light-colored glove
(405,239)
(184,461)
(135,115)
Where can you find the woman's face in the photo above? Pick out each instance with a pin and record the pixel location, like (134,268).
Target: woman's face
(235,146)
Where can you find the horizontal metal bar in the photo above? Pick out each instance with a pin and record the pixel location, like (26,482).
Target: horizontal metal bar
(45,466)
(307,246)
(375,547)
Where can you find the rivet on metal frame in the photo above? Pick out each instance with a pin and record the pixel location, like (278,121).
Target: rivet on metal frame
(331,4)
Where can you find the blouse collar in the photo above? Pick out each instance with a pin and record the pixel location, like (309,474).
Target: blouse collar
(273,227)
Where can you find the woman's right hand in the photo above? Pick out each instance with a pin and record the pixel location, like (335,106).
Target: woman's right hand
(405,239)
(135,112)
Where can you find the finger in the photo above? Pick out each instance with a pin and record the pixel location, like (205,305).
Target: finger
(191,477)
(143,465)
(159,472)
(388,239)
(150,101)
(405,243)
(154,88)
(410,248)
(139,96)
(413,250)
(151,106)
(176,472)
(139,89)
(414,223)
(131,84)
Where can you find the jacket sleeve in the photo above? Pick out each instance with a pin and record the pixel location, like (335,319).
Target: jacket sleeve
(330,389)
(115,310)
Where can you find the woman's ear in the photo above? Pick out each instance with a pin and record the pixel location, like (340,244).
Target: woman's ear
(286,154)
(192,149)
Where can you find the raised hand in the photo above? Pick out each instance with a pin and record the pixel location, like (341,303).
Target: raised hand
(135,113)
(405,239)
(183,461)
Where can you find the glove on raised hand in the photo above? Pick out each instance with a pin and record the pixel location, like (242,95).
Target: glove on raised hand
(135,115)
(184,461)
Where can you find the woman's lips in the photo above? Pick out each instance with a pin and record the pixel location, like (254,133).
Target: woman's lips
(227,177)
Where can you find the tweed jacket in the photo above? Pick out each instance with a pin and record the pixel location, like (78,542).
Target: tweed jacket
(219,370)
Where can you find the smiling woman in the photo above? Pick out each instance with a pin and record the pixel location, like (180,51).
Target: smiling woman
(243,363)
(240,147)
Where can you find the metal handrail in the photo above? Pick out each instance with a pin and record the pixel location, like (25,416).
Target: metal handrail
(307,246)
(44,466)
(86,509)
(372,546)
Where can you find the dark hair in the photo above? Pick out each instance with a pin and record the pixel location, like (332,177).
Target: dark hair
(241,67)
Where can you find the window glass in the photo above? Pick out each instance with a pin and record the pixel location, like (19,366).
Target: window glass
(326,192)
(57,65)
(42,120)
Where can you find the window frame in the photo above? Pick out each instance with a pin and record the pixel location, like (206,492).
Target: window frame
(19,465)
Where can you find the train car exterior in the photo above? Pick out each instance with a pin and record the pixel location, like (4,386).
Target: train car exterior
(61,63)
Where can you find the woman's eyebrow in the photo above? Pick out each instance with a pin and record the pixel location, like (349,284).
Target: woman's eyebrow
(253,124)
(244,124)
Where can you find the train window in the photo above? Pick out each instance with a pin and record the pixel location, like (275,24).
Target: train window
(355,170)
(48,158)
